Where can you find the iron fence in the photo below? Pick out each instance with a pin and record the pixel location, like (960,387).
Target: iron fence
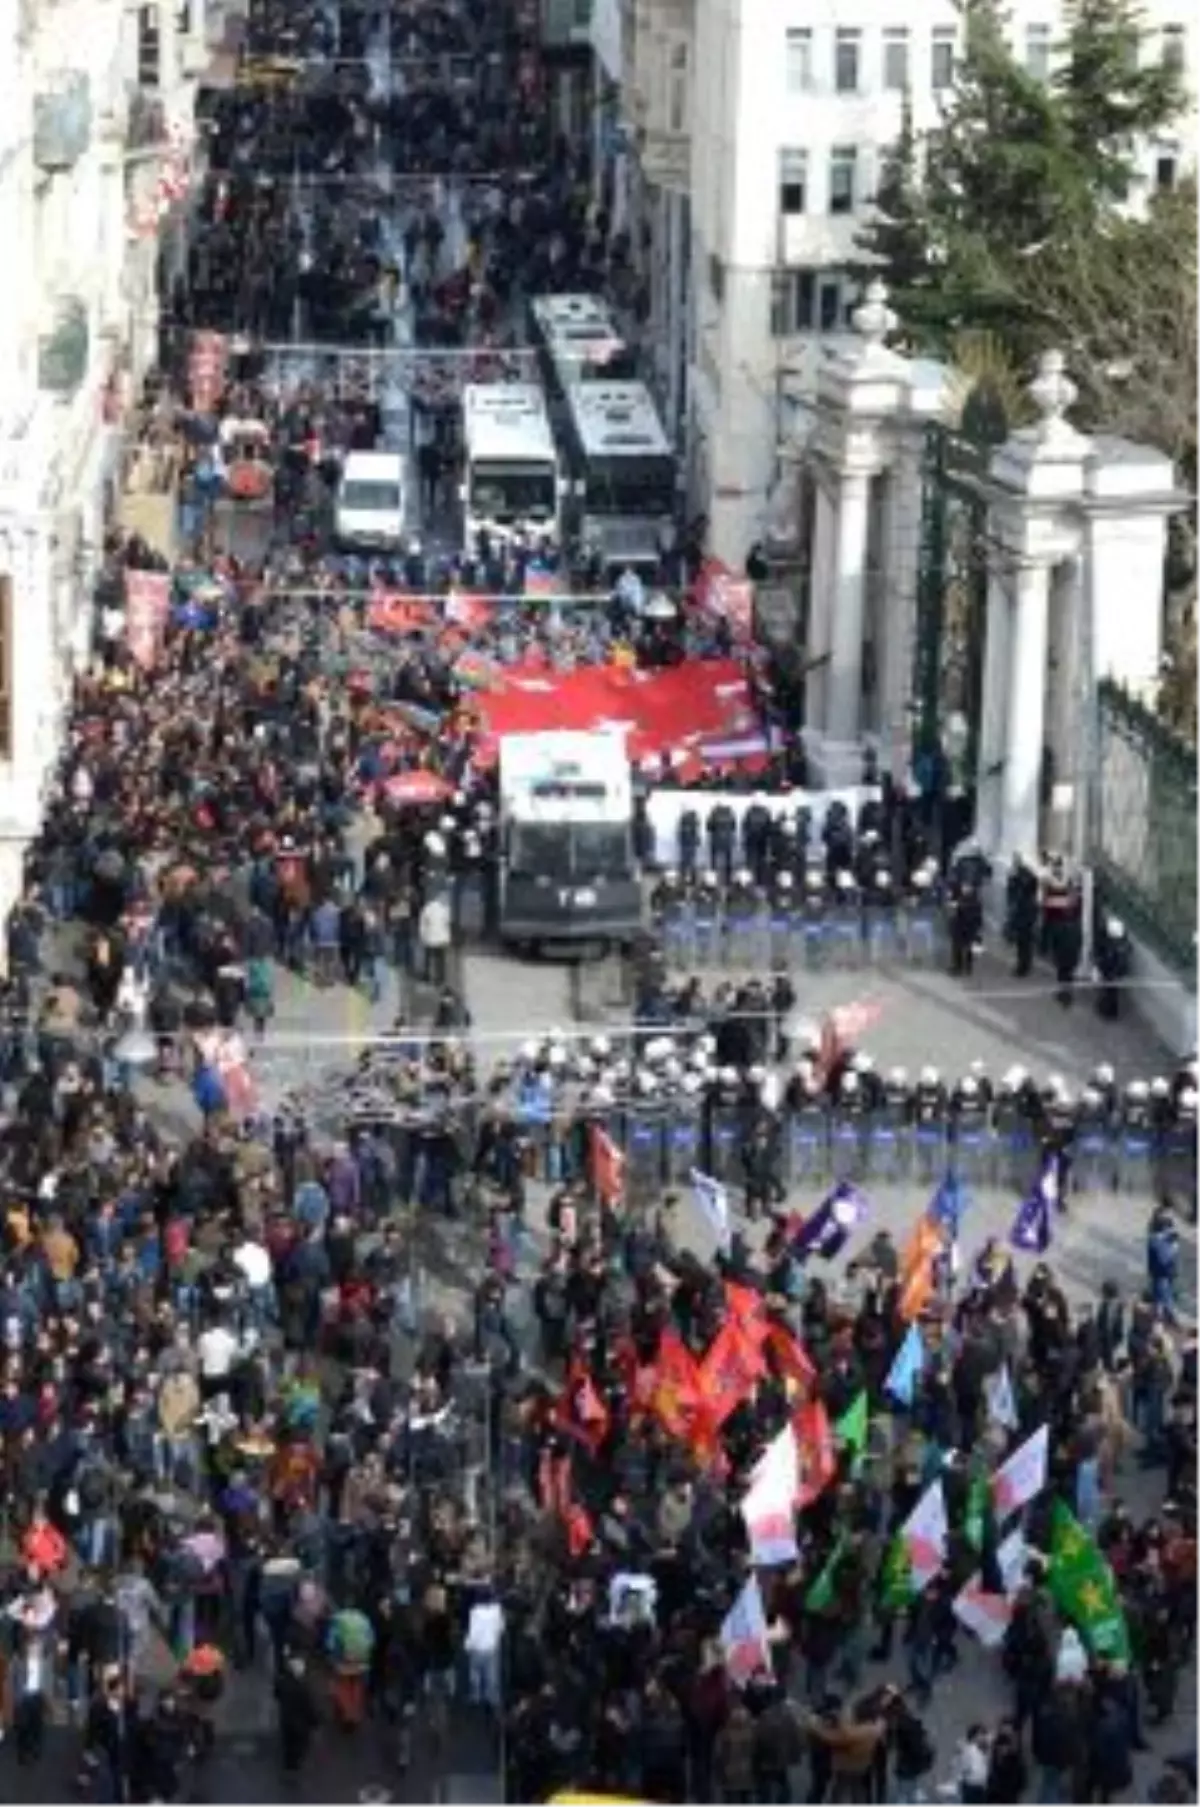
(1144,827)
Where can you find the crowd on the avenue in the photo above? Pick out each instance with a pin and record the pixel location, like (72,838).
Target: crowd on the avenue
(716,1477)
(208,1443)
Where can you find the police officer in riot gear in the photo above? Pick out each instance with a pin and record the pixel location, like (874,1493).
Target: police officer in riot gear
(688,842)
(1113,957)
(722,840)
(756,840)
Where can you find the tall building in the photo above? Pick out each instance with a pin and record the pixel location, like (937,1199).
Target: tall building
(96,130)
(762,131)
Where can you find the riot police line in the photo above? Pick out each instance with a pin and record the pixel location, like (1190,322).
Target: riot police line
(671,1103)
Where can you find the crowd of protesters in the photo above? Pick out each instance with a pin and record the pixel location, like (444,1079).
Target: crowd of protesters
(210,1440)
(233,1438)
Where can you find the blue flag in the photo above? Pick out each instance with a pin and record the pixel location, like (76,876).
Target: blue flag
(902,1376)
(1031,1226)
(831,1225)
(948,1203)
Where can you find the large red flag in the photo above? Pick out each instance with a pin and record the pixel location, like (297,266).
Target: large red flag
(728,1372)
(580,1411)
(816,1457)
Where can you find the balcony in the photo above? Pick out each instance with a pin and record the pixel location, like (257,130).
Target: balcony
(62,122)
(63,351)
(566,24)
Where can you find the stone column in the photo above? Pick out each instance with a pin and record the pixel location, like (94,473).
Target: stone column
(1021,782)
(993,724)
(902,553)
(849,598)
(816,684)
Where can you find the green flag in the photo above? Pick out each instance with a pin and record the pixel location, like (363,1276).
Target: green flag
(822,1593)
(895,1577)
(1082,1586)
(851,1428)
(979,1501)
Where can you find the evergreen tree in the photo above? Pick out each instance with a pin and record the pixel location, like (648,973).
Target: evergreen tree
(1015,164)
(898,241)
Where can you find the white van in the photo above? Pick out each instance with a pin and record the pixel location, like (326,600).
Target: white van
(370,511)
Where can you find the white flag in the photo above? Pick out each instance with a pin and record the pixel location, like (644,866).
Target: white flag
(987,1615)
(712,1200)
(1023,1476)
(744,1636)
(926,1532)
(769,1506)
(1001,1405)
(1012,1559)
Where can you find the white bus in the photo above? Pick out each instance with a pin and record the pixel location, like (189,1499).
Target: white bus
(577,341)
(623,475)
(511,483)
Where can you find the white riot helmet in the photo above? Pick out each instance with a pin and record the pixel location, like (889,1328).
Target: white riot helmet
(930,1076)
(434,844)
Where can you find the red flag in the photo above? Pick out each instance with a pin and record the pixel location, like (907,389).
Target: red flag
(815,1452)
(790,1356)
(557,1496)
(608,1166)
(675,1398)
(729,1370)
(749,1311)
(580,1411)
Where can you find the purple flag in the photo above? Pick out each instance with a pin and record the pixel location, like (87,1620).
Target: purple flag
(1031,1226)
(831,1225)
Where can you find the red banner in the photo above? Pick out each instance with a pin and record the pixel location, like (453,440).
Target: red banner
(147,605)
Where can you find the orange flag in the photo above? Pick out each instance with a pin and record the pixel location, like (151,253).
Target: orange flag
(608,1166)
(916,1268)
(816,1457)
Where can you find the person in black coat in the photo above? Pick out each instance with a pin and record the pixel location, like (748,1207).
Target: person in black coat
(297,1708)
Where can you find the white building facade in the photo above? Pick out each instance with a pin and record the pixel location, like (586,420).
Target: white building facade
(81,194)
(791,111)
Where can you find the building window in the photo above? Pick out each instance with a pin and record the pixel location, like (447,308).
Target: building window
(1174,47)
(1037,52)
(846,50)
(793,300)
(895,60)
(1166,168)
(843,171)
(6,689)
(941,68)
(716,277)
(677,89)
(798,63)
(793,181)
(184,20)
(829,304)
(148,47)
